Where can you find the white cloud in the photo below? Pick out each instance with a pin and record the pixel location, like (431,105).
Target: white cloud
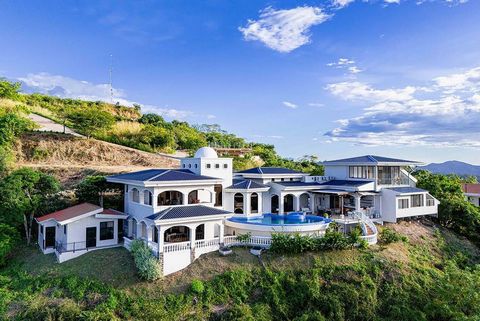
(341,62)
(316,105)
(400,116)
(284,30)
(289,104)
(66,87)
(355,90)
(354,70)
(341,3)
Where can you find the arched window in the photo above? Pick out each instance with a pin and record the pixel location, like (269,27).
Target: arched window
(218,194)
(135,195)
(147,197)
(170,198)
(177,234)
(274,204)
(254,203)
(200,232)
(305,202)
(238,203)
(288,203)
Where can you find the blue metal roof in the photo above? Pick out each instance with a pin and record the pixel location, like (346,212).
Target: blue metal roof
(246,184)
(298,184)
(269,170)
(160,175)
(338,182)
(370,159)
(177,212)
(407,189)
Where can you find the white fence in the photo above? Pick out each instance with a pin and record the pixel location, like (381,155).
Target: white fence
(174,247)
(262,241)
(372,237)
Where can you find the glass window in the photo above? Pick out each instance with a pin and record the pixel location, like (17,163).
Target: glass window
(135,195)
(254,203)
(189,165)
(218,194)
(209,165)
(65,229)
(106,230)
(217,165)
(225,165)
(430,200)
(416,200)
(147,197)
(403,203)
(196,165)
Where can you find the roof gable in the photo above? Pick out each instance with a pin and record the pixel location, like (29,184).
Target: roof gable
(269,170)
(246,184)
(70,212)
(370,159)
(161,175)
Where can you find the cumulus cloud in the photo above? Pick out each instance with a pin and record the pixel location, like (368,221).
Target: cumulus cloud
(355,90)
(347,64)
(289,104)
(284,30)
(401,116)
(341,3)
(66,87)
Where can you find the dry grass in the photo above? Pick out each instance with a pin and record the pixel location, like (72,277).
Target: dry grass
(126,127)
(70,158)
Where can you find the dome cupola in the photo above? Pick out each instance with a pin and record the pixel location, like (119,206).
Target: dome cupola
(206,152)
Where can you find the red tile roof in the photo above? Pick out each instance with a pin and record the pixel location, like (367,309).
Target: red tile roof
(69,212)
(471,188)
(110,211)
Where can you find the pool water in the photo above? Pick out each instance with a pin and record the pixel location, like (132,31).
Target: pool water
(275,219)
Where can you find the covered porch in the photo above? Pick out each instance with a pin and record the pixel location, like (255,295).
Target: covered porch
(340,203)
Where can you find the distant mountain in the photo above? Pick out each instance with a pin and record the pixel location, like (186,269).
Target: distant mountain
(453,167)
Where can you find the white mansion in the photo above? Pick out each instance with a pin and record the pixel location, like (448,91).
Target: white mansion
(183,213)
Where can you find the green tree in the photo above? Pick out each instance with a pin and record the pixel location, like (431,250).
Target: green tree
(22,194)
(152,119)
(187,137)
(8,238)
(9,90)
(93,189)
(90,121)
(11,126)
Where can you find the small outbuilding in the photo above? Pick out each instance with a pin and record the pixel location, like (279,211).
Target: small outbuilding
(76,230)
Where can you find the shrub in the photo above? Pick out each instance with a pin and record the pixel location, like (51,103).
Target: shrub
(388,236)
(147,265)
(197,287)
(8,237)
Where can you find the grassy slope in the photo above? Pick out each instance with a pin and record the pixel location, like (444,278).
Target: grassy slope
(71,158)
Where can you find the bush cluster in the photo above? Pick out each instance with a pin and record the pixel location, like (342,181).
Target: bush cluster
(332,240)
(388,236)
(147,265)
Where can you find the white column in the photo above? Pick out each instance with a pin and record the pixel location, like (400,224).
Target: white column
(192,237)
(312,203)
(246,203)
(280,204)
(357,202)
(296,203)
(185,198)
(160,238)
(139,230)
(149,233)
(221,233)
(260,203)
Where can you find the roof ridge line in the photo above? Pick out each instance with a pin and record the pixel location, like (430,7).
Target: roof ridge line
(166,211)
(249,183)
(260,169)
(158,175)
(372,158)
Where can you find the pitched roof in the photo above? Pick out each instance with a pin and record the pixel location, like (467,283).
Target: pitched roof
(110,211)
(298,184)
(372,159)
(69,212)
(186,212)
(407,189)
(338,182)
(246,184)
(161,175)
(471,188)
(269,170)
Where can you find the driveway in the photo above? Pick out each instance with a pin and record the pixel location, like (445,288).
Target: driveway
(48,125)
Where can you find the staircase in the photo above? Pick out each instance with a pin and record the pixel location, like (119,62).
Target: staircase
(369,230)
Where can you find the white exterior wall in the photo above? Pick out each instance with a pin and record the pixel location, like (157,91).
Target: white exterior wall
(76,231)
(391,212)
(473,198)
(41,236)
(337,171)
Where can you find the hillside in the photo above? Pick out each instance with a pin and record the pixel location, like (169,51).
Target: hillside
(71,158)
(432,276)
(453,167)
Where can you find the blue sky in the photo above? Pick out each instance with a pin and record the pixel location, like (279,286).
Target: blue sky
(333,78)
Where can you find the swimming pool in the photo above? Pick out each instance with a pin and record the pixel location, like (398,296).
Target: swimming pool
(264,225)
(274,219)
